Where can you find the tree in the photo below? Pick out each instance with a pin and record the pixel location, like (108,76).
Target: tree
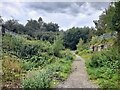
(104,23)
(37,28)
(72,36)
(10,24)
(116,22)
(32,25)
(58,45)
(52,27)
(40,19)
(1,20)
(14,26)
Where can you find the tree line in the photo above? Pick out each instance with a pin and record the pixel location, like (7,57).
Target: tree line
(40,30)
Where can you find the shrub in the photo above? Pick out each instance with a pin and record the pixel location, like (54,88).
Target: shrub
(57,46)
(107,58)
(24,48)
(104,67)
(28,50)
(49,63)
(49,75)
(12,44)
(40,80)
(28,65)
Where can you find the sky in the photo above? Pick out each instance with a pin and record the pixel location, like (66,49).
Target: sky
(65,14)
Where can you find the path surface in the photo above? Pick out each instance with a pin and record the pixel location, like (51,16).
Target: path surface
(78,78)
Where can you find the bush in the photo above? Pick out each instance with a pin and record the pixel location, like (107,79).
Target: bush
(104,67)
(28,65)
(57,46)
(12,44)
(24,48)
(49,75)
(28,50)
(41,80)
(109,58)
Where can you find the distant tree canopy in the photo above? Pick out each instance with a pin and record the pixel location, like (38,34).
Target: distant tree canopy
(51,27)
(14,26)
(73,35)
(42,26)
(34,28)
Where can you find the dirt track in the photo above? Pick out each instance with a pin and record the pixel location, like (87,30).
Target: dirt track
(78,78)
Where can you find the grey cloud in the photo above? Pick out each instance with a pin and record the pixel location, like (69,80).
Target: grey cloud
(100,5)
(65,7)
(60,7)
(66,14)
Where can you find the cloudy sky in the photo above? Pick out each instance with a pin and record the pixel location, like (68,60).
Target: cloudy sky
(66,14)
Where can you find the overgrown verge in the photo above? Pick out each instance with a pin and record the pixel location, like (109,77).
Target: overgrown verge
(103,65)
(104,68)
(49,76)
(22,56)
(12,71)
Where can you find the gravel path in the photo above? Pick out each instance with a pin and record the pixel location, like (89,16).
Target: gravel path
(78,78)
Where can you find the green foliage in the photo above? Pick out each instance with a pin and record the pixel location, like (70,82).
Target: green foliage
(108,58)
(12,70)
(57,46)
(95,40)
(41,61)
(38,57)
(72,36)
(40,80)
(41,30)
(110,21)
(53,70)
(36,29)
(83,48)
(103,67)
(28,50)
(105,20)
(24,48)
(51,27)
(80,44)
(52,73)
(14,26)
(28,65)
(116,22)
(116,18)
(47,36)
(11,43)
